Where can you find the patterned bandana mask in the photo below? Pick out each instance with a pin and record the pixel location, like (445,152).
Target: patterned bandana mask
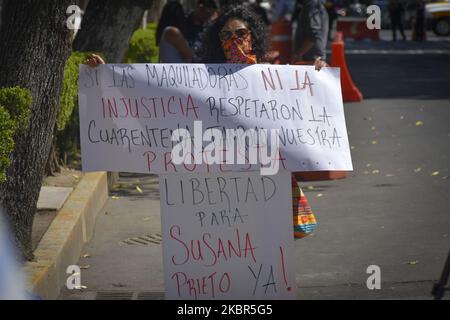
(234,52)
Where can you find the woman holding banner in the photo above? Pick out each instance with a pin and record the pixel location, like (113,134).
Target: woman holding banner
(238,36)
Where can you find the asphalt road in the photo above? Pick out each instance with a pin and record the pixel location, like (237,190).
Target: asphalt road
(392,211)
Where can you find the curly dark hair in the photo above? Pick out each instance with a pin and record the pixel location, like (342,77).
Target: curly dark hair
(211,50)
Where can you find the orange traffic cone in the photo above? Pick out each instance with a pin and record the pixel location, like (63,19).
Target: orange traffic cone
(350,93)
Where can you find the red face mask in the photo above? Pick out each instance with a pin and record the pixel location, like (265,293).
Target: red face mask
(238,50)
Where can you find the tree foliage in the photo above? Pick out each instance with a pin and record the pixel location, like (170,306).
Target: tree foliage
(17,102)
(142,46)
(15,105)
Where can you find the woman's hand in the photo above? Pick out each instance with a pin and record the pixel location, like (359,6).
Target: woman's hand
(93,60)
(319,63)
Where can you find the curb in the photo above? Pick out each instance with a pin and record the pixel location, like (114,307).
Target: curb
(63,242)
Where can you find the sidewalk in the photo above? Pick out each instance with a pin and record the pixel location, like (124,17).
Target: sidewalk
(124,254)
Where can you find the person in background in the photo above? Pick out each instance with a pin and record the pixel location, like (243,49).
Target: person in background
(238,36)
(419,21)
(310,39)
(280,8)
(173,47)
(205,11)
(396,12)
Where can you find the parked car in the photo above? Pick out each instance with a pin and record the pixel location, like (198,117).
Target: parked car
(438,15)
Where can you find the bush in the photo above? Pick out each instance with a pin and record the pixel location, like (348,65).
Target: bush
(67,122)
(69,93)
(17,102)
(142,46)
(14,112)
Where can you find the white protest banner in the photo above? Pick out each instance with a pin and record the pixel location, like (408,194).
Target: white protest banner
(227,236)
(128,113)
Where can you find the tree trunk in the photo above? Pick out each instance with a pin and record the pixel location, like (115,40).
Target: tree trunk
(35,46)
(53,164)
(155,11)
(1,2)
(107,26)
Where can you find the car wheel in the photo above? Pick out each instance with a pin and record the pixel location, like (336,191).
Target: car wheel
(442,27)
